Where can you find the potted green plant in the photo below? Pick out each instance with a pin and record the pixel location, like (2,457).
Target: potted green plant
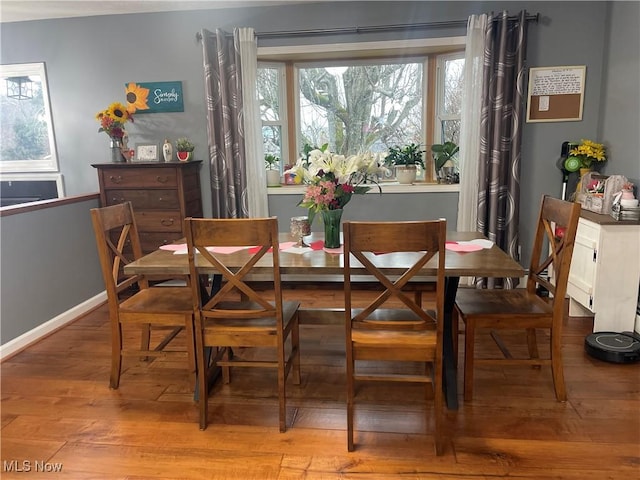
(405,160)
(184,149)
(272,164)
(444,158)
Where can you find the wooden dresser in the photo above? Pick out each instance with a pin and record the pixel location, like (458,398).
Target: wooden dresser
(162,195)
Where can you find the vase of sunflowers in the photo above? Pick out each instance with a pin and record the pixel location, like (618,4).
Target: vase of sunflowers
(112,121)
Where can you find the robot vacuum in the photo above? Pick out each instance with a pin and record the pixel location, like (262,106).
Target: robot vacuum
(613,347)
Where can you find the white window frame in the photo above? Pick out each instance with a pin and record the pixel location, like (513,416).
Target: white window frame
(337,51)
(283,122)
(29,165)
(440,116)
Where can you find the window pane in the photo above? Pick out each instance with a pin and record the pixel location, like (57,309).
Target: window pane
(26,131)
(272,137)
(269,94)
(356,108)
(451,131)
(453,77)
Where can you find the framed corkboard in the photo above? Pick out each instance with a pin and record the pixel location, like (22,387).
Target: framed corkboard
(556,94)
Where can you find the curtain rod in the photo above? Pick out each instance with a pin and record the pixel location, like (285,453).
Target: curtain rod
(381,28)
(375,28)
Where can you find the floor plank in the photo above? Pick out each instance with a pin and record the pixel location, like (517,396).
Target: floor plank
(56,407)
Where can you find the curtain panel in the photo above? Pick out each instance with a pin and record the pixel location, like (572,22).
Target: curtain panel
(225,125)
(501,124)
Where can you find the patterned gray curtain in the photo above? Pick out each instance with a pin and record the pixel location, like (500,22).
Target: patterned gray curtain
(501,134)
(223,89)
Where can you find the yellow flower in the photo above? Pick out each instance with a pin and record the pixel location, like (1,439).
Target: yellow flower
(136,97)
(113,119)
(118,112)
(588,152)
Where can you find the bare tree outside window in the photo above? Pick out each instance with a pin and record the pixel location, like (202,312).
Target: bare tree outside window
(357,108)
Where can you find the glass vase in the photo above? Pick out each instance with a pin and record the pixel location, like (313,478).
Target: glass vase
(116,151)
(331,220)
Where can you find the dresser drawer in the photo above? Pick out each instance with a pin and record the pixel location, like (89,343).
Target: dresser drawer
(159,221)
(139,178)
(145,199)
(150,241)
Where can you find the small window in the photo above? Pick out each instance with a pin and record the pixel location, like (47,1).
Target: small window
(449,110)
(26,131)
(271,94)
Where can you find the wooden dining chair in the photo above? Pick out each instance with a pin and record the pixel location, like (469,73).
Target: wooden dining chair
(237,317)
(132,301)
(541,305)
(394,327)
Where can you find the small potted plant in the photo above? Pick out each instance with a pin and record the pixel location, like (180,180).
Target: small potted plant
(444,158)
(272,164)
(184,149)
(405,159)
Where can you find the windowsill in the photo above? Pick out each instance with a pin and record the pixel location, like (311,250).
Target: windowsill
(390,187)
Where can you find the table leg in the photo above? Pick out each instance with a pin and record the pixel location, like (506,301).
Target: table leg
(449,381)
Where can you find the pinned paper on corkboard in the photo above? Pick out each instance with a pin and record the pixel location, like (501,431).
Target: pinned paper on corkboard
(556,94)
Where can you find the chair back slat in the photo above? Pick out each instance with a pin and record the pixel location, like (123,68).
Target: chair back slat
(259,233)
(551,251)
(117,222)
(412,245)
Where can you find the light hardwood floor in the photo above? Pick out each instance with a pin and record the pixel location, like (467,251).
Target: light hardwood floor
(57,408)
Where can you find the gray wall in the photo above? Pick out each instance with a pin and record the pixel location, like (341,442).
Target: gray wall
(372,206)
(620,125)
(48,265)
(90,59)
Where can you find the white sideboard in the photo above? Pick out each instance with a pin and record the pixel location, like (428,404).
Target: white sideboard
(605,272)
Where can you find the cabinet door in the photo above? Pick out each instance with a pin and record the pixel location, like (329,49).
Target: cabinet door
(581,286)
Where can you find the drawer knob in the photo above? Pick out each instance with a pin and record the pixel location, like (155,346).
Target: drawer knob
(167,222)
(162,179)
(116,179)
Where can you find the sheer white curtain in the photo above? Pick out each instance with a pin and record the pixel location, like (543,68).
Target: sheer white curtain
(470,125)
(256,191)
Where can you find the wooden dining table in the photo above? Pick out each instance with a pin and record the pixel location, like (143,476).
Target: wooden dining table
(327,266)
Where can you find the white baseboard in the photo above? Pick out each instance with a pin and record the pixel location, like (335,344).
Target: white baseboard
(28,338)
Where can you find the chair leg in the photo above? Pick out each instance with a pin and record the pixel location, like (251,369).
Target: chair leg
(532,343)
(116,354)
(350,395)
(226,370)
(282,387)
(145,339)
(469,346)
(437,410)
(189,332)
(556,366)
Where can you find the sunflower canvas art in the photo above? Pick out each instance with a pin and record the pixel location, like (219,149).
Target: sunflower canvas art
(154,97)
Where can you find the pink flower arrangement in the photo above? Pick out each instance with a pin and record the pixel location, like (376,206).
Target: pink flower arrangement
(333,179)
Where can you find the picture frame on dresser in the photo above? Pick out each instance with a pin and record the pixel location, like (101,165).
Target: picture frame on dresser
(146,152)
